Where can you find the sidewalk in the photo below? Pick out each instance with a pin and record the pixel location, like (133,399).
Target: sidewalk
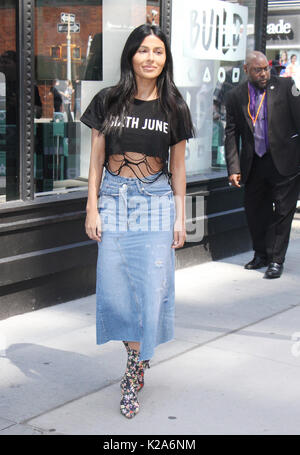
(232,369)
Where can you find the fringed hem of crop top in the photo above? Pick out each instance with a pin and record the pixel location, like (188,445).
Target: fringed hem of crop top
(142,165)
(145,130)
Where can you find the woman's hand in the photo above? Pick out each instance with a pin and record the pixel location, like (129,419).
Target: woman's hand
(93,225)
(179,234)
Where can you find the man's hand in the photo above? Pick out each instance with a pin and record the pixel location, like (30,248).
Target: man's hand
(234,179)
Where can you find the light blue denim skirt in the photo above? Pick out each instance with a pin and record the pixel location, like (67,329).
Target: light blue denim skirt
(136,264)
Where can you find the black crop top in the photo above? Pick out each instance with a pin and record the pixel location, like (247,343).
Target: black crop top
(145,130)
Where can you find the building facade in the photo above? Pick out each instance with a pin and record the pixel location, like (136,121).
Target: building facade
(54,56)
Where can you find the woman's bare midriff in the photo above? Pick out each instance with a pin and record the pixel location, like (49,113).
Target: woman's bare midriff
(136,161)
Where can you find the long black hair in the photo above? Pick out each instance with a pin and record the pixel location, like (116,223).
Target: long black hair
(120,97)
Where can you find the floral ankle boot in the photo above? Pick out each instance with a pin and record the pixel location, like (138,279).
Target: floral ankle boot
(129,405)
(142,365)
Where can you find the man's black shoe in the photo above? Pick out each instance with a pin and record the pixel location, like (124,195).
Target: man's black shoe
(274,270)
(256,263)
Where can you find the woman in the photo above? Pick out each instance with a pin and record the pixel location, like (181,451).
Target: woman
(283,61)
(133,125)
(291,69)
(68,94)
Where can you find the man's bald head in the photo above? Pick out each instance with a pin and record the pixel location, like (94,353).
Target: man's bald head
(257,69)
(255,56)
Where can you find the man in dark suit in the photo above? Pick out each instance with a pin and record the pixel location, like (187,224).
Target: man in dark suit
(264,113)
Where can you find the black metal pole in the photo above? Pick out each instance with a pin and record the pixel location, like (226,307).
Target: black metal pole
(165,21)
(261,17)
(26,99)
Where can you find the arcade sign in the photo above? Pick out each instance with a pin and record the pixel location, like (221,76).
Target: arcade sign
(281,28)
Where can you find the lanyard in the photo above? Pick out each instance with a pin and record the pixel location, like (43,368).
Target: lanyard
(259,107)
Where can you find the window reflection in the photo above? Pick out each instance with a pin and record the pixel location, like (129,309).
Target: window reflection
(208,62)
(68,46)
(73,62)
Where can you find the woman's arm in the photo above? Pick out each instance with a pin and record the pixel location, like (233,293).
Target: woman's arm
(178,183)
(93,222)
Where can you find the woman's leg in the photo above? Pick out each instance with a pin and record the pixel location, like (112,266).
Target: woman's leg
(134,345)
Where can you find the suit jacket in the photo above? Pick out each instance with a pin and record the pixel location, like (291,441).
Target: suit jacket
(283,107)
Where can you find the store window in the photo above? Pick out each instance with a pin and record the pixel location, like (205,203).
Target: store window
(78,45)
(209,44)
(9,161)
(283,40)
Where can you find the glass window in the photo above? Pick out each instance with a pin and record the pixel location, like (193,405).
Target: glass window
(209,43)
(78,45)
(9,141)
(283,41)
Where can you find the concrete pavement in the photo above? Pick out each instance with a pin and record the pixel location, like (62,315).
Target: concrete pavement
(233,367)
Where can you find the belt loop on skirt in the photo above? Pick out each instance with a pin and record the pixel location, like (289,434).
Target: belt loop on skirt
(123,207)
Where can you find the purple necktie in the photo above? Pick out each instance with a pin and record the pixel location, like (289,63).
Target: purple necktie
(259,127)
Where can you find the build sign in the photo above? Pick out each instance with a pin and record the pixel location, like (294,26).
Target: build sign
(216,30)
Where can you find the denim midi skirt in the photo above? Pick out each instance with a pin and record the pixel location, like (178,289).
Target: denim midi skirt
(136,264)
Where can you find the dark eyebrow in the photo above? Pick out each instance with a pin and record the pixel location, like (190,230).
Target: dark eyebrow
(155,48)
(146,47)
